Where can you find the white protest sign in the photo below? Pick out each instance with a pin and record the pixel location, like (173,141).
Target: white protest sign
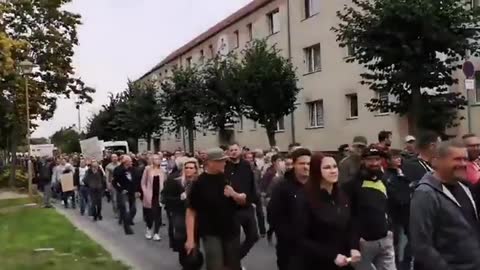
(92,148)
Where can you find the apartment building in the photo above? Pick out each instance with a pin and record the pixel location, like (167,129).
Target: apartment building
(330,107)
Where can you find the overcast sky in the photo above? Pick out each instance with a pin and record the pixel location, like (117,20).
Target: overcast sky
(122,39)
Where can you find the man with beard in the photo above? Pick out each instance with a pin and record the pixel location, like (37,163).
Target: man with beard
(368,197)
(472,142)
(280,210)
(443,218)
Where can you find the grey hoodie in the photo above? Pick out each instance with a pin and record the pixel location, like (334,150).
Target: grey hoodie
(441,238)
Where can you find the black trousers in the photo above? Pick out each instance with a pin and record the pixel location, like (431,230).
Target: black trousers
(284,255)
(248,223)
(153,217)
(96,198)
(66,195)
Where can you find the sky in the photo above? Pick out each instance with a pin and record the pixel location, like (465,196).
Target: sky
(123,39)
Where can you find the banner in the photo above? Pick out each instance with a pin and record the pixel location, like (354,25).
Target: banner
(67,182)
(92,148)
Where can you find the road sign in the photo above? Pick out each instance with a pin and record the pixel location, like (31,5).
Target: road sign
(470,84)
(468,69)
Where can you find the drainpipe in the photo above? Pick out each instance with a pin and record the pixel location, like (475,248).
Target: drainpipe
(289,51)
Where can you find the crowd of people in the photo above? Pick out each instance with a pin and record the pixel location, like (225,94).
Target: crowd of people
(368,207)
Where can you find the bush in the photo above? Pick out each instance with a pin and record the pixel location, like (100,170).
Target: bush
(21,178)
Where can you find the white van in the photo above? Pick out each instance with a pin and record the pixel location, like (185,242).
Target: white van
(115,146)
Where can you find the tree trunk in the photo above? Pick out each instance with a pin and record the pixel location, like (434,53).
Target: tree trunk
(414,117)
(271,136)
(13,165)
(191,145)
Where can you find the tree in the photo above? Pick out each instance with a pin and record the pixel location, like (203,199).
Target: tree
(99,124)
(220,98)
(67,139)
(267,85)
(50,33)
(181,100)
(140,115)
(410,50)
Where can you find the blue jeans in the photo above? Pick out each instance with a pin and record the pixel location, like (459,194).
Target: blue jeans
(83,193)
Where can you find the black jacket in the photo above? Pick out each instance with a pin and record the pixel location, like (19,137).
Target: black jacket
(171,195)
(367,193)
(399,190)
(323,230)
(441,238)
(241,178)
(282,206)
(124,179)
(415,168)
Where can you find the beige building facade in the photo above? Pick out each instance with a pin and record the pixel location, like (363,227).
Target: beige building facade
(331,105)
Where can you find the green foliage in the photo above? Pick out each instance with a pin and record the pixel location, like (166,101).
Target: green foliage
(67,140)
(220,98)
(267,85)
(21,178)
(408,46)
(99,123)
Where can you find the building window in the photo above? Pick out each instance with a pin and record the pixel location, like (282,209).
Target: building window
(281,124)
(273,22)
(384,99)
(350,50)
(313,58)
(250,31)
(178,135)
(240,123)
(254,125)
(477,86)
(212,53)
(236,39)
(202,57)
(353,105)
(312,7)
(189,61)
(315,110)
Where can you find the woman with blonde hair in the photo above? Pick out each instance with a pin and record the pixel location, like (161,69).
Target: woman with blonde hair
(174,196)
(152,184)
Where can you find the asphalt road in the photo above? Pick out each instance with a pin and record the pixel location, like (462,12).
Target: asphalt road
(142,254)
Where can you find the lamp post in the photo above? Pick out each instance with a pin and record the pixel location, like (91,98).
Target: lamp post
(26,68)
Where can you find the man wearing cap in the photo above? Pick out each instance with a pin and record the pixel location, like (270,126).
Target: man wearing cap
(409,151)
(371,225)
(212,205)
(350,165)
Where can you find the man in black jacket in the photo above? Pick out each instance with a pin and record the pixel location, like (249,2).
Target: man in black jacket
(415,168)
(124,184)
(282,205)
(369,205)
(240,175)
(444,224)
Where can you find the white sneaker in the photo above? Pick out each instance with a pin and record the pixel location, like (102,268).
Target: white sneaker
(157,237)
(148,235)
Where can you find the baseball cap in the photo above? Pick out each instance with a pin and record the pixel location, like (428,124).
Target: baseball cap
(410,138)
(372,151)
(360,140)
(216,154)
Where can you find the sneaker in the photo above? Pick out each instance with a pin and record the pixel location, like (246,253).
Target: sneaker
(157,237)
(148,235)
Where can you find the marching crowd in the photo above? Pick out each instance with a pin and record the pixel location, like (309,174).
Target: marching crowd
(369,207)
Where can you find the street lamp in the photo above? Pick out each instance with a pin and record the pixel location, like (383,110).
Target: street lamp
(26,68)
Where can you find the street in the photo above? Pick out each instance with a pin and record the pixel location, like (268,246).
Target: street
(142,254)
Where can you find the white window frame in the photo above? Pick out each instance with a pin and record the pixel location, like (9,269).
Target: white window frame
(273,19)
(476,98)
(350,99)
(236,39)
(250,31)
(313,114)
(309,11)
(189,61)
(350,49)
(202,57)
(240,124)
(381,95)
(279,125)
(312,64)
(178,135)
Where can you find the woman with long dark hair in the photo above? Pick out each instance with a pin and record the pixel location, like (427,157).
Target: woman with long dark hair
(325,237)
